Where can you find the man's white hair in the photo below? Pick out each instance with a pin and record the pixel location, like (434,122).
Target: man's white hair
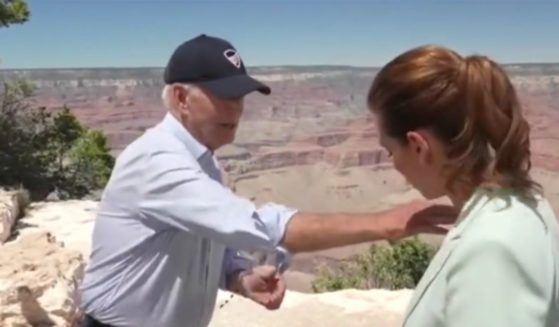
(167,94)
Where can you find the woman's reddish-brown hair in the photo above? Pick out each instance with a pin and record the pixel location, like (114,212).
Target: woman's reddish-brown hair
(469,103)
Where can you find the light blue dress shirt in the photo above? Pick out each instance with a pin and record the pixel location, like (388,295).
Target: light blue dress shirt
(167,233)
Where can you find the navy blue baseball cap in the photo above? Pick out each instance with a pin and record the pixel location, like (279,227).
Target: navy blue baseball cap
(213,64)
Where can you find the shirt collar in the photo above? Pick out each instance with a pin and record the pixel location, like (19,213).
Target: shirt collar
(171,124)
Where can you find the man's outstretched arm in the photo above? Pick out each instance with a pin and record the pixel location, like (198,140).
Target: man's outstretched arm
(177,192)
(312,232)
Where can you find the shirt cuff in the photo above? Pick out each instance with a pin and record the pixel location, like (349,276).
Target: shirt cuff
(233,262)
(275,217)
(282,259)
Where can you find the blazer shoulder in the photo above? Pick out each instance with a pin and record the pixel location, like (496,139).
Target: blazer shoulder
(509,219)
(517,229)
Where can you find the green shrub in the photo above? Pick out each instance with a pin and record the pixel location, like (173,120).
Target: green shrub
(24,136)
(88,167)
(391,267)
(337,279)
(45,152)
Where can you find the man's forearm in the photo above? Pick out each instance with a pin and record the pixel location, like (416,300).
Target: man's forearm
(313,232)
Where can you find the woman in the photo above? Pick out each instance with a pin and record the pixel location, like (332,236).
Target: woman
(454,127)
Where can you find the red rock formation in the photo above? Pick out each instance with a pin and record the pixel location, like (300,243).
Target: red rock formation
(124,102)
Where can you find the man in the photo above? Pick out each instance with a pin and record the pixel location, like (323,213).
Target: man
(167,232)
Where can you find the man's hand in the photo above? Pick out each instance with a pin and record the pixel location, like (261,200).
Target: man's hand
(264,285)
(418,216)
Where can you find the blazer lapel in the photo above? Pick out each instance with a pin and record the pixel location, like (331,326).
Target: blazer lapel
(448,245)
(433,270)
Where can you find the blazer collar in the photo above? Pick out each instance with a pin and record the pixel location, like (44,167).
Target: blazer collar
(469,210)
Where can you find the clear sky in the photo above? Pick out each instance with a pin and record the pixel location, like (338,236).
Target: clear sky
(131,33)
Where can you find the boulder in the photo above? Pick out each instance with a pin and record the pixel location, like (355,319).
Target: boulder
(70,221)
(9,212)
(38,281)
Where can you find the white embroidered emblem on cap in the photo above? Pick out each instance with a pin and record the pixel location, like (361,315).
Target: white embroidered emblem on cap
(233,57)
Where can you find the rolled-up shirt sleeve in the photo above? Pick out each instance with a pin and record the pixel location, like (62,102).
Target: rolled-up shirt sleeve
(234,262)
(276,217)
(177,192)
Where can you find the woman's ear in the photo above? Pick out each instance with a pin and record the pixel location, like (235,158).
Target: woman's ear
(419,144)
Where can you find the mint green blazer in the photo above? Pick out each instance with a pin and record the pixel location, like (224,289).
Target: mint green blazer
(497,267)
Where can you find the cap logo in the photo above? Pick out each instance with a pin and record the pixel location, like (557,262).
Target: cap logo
(233,57)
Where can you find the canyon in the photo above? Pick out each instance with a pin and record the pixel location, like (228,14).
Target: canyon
(314,114)
(311,144)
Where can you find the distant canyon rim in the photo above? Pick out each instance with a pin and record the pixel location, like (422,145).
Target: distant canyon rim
(311,144)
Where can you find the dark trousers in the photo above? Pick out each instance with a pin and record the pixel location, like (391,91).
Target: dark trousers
(89,321)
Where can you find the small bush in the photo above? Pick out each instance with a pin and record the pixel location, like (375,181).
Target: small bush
(45,152)
(88,165)
(391,267)
(336,279)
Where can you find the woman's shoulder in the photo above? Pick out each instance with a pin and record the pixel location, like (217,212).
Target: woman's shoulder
(512,221)
(508,209)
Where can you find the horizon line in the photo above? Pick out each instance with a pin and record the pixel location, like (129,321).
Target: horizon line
(252,67)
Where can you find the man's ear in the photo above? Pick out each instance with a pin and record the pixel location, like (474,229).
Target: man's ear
(180,97)
(419,144)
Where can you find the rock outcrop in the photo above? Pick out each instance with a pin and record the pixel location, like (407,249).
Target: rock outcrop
(9,212)
(38,280)
(41,268)
(347,308)
(71,222)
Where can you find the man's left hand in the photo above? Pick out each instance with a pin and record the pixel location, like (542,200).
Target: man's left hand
(264,285)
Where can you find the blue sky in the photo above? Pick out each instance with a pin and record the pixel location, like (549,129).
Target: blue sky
(132,33)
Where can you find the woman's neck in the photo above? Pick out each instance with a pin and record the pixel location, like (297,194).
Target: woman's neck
(460,196)
(457,201)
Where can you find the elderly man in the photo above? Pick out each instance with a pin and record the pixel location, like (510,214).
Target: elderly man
(167,231)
